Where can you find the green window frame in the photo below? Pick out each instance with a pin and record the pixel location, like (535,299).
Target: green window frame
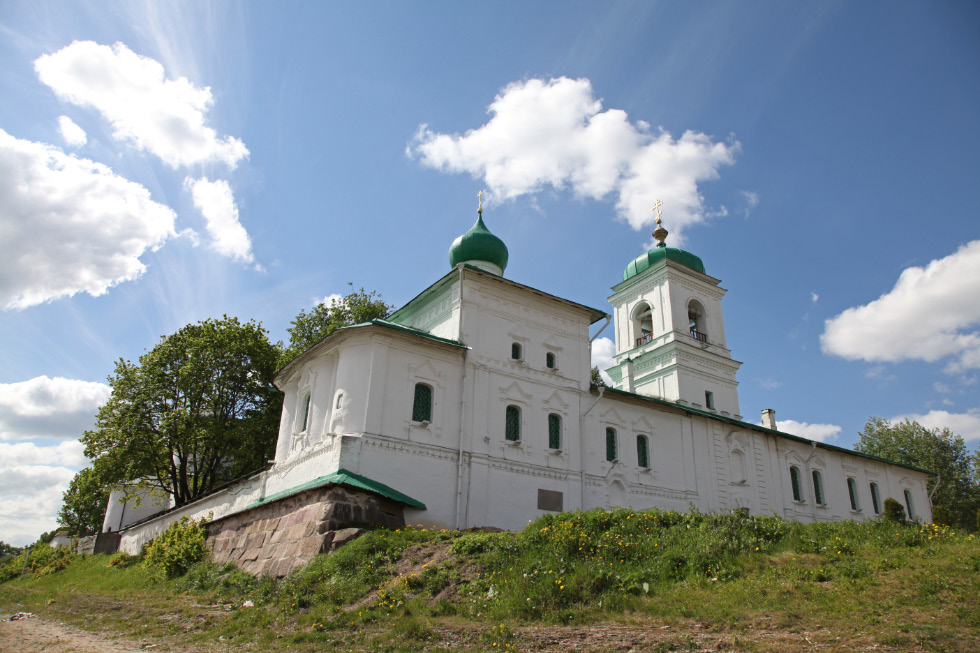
(550,360)
(643,451)
(875,499)
(908,505)
(794,477)
(852,493)
(817,487)
(554,431)
(422,404)
(512,424)
(306,412)
(516,351)
(611,453)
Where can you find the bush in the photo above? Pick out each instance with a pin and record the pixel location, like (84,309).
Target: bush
(41,561)
(942,516)
(178,548)
(894,512)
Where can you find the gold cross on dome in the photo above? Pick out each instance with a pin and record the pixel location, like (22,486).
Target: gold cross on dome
(656,209)
(479,197)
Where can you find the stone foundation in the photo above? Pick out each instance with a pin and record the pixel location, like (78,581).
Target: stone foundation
(278,537)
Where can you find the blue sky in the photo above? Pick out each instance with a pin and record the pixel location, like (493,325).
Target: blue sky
(162,163)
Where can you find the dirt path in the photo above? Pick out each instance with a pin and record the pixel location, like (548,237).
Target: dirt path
(36,634)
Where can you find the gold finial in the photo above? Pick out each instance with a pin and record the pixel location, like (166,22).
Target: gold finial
(479,197)
(660,235)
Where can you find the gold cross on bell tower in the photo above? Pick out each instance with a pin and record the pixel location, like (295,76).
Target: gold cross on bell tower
(660,235)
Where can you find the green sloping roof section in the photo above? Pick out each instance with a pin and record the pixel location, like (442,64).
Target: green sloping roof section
(478,244)
(387,324)
(594,313)
(762,429)
(659,254)
(350,479)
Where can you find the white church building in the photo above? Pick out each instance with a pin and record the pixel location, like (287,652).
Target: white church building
(472,406)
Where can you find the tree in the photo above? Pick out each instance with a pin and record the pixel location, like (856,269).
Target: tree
(84,503)
(198,410)
(939,451)
(310,328)
(596,380)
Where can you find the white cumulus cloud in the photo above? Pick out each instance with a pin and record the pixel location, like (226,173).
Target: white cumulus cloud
(932,313)
(216,203)
(72,133)
(30,498)
(555,133)
(43,407)
(64,454)
(330,300)
(965,424)
(818,432)
(167,117)
(69,225)
(603,356)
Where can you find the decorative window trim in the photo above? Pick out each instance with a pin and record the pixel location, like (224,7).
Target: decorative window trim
(852,494)
(513,418)
(875,497)
(612,445)
(306,407)
(643,452)
(818,490)
(518,349)
(421,405)
(909,504)
(551,361)
(555,428)
(796,483)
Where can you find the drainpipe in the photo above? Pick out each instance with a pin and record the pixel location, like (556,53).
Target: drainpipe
(935,487)
(462,406)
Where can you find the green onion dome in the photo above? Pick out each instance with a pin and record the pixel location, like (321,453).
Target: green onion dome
(661,253)
(479,248)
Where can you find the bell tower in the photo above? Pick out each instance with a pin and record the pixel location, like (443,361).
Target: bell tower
(669,331)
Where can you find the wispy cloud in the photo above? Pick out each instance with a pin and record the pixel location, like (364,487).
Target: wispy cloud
(555,133)
(965,424)
(216,202)
(72,133)
(167,117)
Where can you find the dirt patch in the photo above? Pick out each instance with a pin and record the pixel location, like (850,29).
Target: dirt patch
(36,634)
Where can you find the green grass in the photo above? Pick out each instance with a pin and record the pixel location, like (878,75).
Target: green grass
(678,581)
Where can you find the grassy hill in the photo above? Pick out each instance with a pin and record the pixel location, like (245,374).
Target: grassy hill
(594,581)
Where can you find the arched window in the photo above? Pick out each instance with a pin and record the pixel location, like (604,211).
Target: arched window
(794,477)
(875,499)
(554,431)
(642,452)
(642,323)
(852,492)
(340,400)
(516,351)
(695,319)
(550,360)
(611,453)
(422,405)
(908,505)
(306,412)
(512,424)
(817,488)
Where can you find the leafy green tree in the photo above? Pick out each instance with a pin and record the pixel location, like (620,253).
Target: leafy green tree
(199,409)
(597,380)
(84,503)
(940,451)
(309,328)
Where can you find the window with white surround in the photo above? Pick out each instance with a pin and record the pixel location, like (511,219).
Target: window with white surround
(875,499)
(551,360)
(306,413)
(422,403)
(852,493)
(642,323)
(554,431)
(709,399)
(642,452)
(512,424)
(795,480)
(695,319)
(818,487)
(908,505)
(612,453)
(516,351)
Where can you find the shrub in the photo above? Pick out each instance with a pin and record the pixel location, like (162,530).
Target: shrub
(942,516)
(177,549)
(894,512)
(42,560)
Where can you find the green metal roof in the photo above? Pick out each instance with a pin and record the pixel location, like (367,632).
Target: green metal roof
(478,244)
(757,427)
(350,479)
(660,254)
